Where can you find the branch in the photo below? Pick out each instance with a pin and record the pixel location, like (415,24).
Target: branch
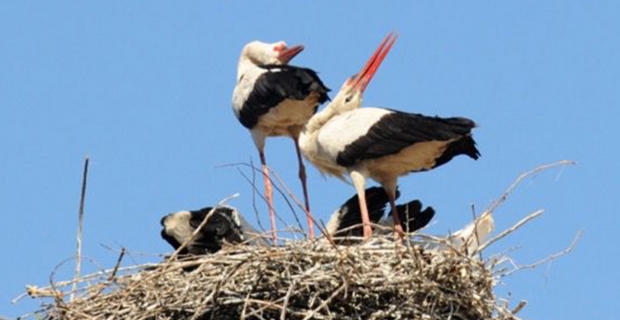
(510,230)
(78,254)
(523,176)
(550,258)
(277,185)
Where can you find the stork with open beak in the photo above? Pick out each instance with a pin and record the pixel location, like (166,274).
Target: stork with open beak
(272,99)
(378,143)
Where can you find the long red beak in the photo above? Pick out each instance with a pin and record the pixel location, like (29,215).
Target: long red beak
(362,79)
(289,53)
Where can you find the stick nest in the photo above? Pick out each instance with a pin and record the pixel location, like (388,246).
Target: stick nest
(299,280)
(423,278)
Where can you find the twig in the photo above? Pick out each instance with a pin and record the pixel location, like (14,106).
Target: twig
(20,296)
(476,220)
(523,176)
(95,275)
(324,303)
(550,258)
(275,185)
(118,264)
(510,230)
(78,254)
(255,191)
(56,285)
(292,196)
(252,182)
(286,298)
(519,307)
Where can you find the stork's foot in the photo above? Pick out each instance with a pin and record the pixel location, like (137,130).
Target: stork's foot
(399,233)
(367,231)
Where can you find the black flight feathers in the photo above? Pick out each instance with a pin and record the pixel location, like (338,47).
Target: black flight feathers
(398,130)
(411,215)
(350,213)
(280,82)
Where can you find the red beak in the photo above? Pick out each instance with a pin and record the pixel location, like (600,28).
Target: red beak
(362,79)
(289,53)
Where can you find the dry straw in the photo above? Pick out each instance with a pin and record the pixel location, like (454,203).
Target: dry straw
(424,277)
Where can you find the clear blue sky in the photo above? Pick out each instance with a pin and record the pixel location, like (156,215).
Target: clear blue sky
(145,90)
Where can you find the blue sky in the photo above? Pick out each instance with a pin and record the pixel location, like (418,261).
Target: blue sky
(145,91)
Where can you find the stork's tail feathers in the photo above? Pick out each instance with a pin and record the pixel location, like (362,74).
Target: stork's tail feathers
(464,145)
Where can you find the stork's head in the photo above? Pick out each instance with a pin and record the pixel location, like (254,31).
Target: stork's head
(261,53)
(177,228)
(352,91)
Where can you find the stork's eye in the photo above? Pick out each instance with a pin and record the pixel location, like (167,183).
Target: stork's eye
(279,47)
(348,99)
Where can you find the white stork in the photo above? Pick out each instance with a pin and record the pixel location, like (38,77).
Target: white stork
(272,98)
(346,221)
(377,143)
(226,225)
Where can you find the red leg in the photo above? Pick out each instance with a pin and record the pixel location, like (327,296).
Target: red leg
(269,196)
(359,181)
(365,217)
(304,186)
(398,228)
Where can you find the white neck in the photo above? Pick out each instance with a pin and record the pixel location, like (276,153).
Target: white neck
(337,106)
(319,119)
(244,65)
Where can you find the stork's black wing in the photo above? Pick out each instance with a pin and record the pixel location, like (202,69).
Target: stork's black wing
(398,130)
(412,217)
(280,82)
(221,226)
(350,213)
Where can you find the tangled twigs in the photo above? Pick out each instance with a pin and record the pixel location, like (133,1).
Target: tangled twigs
(426,277)
(301,280)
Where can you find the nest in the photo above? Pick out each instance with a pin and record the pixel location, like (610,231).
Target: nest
(380,279)
(422,277)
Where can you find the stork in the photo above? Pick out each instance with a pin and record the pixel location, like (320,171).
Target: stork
(346,221)
(271,99)
(226,225)
(377,143)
